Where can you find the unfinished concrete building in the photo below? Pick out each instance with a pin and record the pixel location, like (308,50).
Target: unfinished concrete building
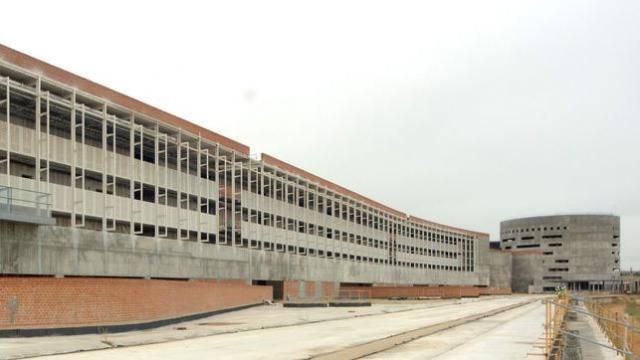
(97,184)
(580,252)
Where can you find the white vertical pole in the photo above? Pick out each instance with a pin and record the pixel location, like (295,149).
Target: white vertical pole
(251,205)
(37,139)
(156,187)
(47,140)
(83,165)
(8,134)
(74,147)
(225,198)
(198,191)
(104,167)
(216,223)
(164,198)
(179,185)
(233,199)
(260,203)
(132,183)
(110,168)
(187,190)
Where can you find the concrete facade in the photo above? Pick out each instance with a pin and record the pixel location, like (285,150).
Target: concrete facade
(137,192)
(527,272)
(27,249)
(500,267)
(581,252)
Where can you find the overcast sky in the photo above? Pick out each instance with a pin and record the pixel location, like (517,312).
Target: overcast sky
(466,113)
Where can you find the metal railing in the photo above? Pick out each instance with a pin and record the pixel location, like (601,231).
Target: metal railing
(620,330)
(32,206)
(554,325)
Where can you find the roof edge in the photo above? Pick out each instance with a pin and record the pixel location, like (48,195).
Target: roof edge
(561,215)
(429,222)
(271,160)
(63,76)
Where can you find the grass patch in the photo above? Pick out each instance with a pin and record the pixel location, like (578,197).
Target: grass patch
(633,309)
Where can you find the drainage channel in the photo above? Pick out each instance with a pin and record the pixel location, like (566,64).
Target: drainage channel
(376,346)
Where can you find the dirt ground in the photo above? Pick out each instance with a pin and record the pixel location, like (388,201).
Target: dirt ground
(629,305)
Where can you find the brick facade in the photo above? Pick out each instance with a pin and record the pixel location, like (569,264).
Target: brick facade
(61,302)
(309,289)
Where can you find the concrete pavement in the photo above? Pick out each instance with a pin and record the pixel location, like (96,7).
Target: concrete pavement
(237,321)
(509,335)
(304,340)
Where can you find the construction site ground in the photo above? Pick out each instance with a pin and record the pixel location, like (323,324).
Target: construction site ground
(629,305)
(510,323)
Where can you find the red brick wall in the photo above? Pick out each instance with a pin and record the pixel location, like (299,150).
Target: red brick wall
(59,302)
(495,291)
(460,291)
(329,289)
(291,289)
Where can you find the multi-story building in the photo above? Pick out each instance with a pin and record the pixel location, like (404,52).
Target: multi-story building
(96,183)
(581,252)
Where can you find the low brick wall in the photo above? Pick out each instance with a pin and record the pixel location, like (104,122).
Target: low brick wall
(28,302)
(495,291)
(454,292)
(309,289)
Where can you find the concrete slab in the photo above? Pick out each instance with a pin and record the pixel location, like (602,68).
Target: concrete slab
(244,320)
(304,340)
(509,335)
(586,326)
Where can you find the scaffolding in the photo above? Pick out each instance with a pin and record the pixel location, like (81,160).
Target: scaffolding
(114,169)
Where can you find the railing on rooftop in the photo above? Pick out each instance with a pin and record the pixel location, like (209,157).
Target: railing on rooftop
(20,205)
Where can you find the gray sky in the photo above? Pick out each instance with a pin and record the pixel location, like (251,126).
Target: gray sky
(466,113)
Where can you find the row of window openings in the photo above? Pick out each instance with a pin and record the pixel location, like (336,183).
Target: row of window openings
(91,134)
(538,245)
(552,278)
(269,246)
(351,257)
(146,193)
(281,222)
(525,238)
(60,174)
(347,213)
(525,230)
(299,250)
(148,230)
(527,246)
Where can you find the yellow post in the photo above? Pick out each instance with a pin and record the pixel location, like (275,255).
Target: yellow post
(625,342)
(547,325)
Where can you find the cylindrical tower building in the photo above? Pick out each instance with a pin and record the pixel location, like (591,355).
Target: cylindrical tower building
(581,252)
